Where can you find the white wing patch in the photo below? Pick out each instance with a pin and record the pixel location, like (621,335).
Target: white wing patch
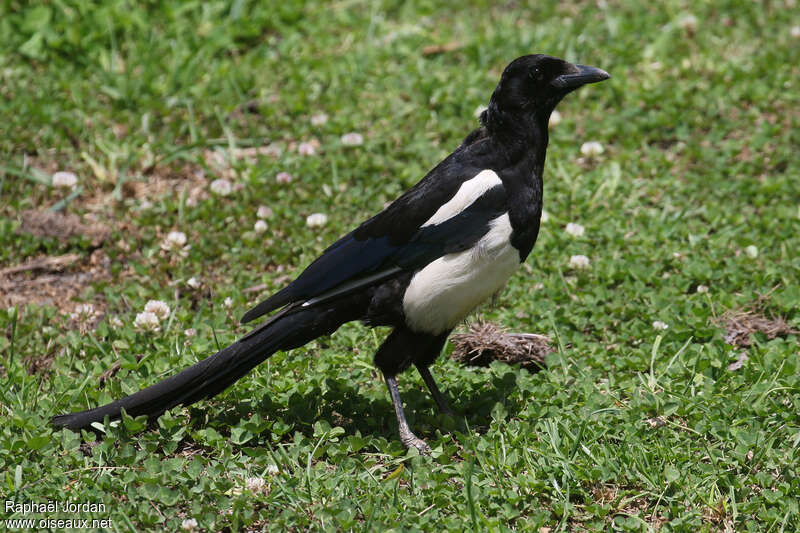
(469,191)
(447,290)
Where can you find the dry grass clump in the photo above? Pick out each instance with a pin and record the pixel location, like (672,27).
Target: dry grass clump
(486,342)
(740,324)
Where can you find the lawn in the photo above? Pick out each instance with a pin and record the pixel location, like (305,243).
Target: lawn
(670,400)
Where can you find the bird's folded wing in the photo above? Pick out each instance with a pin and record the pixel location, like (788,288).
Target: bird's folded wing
(352,263)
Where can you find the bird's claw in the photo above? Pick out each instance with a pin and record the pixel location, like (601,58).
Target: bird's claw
(412,440)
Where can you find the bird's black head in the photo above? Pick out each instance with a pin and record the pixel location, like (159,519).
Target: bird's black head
(531,86)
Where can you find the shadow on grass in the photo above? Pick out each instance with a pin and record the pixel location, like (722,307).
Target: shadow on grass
(343,404)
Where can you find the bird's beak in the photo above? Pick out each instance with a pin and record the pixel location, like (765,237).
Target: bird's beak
(582,75)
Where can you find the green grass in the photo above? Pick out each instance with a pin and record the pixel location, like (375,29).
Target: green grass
(629,428)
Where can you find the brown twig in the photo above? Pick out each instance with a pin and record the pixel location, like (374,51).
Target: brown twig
(58,262)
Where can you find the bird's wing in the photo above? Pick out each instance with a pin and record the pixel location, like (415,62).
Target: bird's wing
(379,249)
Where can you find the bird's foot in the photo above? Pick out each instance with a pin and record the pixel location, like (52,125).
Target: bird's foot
(410,440)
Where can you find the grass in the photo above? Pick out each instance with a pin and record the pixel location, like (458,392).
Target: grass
(630,428)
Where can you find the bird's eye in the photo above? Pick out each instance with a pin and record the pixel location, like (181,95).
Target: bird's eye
(535,74)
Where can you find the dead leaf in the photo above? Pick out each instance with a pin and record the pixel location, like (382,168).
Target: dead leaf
(736,365)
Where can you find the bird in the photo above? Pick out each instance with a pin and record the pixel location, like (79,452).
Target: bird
(421,265)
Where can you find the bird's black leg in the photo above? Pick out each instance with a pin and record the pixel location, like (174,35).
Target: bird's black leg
(406,436)
(438,397)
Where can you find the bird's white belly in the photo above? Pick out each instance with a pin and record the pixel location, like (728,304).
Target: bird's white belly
(448,289)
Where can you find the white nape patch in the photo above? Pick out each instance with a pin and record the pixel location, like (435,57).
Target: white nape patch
(469,191)
(447,290)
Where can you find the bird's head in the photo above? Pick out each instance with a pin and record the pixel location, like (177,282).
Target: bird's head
(531,86)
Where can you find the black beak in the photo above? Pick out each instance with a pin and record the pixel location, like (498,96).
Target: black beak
(583,75)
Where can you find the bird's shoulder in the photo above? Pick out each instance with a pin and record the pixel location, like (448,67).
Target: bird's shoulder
(472,162)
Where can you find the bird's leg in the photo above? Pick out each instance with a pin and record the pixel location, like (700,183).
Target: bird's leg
(438,397)
(406,436)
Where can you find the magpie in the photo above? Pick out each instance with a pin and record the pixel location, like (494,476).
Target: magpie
(421,265)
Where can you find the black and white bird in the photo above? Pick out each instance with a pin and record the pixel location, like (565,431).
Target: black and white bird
(421,265)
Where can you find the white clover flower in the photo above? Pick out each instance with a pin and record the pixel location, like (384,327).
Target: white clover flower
(193,282)
(316,220)
(702,289)
(555,118)
(660,325)
(255,484)
(283,178)
(352,139)
(479,110)
(189,524)
(221,187)
(84,314)
(264,212)
(545,216)
(306,148)
(272,469)
(190,334)
(795,31)
(228,302)
(688,22)
(260,226)
(84,311)
(576,230)
(116,322)
(64,179)
(158,308)
(579,261)
(592,149)
(146,321)
(319,119)
(751,251)
(174,241)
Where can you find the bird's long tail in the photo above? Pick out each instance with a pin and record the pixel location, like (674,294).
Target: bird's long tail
(217,372)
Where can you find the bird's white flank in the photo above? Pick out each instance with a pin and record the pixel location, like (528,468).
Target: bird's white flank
(448,289)
(469,191)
